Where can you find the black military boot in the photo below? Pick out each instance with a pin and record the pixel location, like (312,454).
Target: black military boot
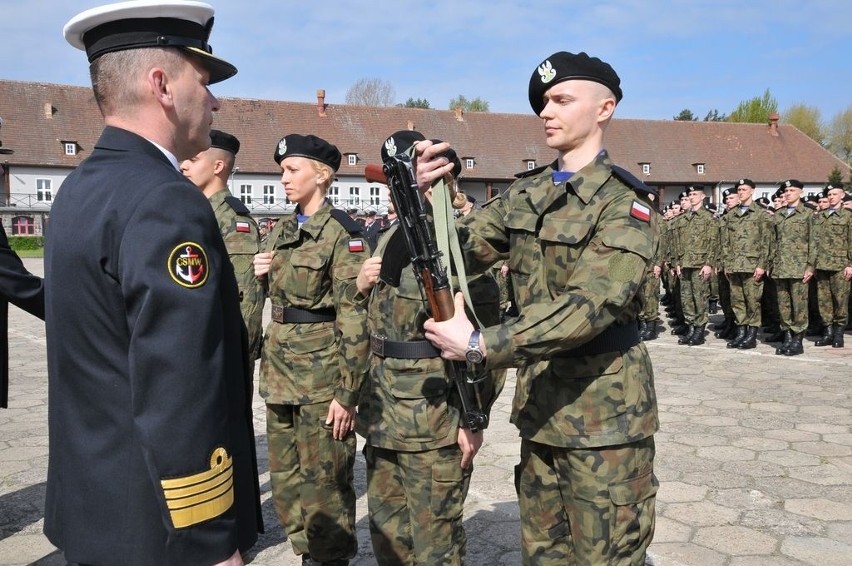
(643,328)
(776,336)
(738,337)
(838,336)
(650,331)
(827,338)
(723,324)
(713,307)
(796,347)
(728,333)
(788,341)
(680,328)
(697,336)
(684,338)
(750,340)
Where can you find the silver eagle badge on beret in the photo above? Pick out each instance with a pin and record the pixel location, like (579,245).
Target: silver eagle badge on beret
(282,146)
(547,72)
(390,146)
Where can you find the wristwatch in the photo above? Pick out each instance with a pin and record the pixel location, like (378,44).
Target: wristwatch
(473,354)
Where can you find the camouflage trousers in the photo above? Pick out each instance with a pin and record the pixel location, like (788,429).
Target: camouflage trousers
(650,298)
(694,293)
(416,504)
(793,304)
(586,507)
(714,286)
(833,297)
(312,477)
(745,298)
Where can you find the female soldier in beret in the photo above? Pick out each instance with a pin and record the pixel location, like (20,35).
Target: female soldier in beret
(314,355)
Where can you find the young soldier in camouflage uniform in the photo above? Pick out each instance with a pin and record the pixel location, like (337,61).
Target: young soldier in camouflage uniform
(730,199)
(833,238)
(315,356)
(793,266)
(679,326)
(209,170)
(419,459)
(747,239)
(696,243)
(579,234)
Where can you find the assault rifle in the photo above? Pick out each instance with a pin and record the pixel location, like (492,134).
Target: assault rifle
(398,174)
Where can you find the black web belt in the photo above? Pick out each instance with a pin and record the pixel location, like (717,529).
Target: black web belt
(616,338)
(409,350)
(292,315)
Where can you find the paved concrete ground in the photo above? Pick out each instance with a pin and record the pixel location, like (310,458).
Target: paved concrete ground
(754,457)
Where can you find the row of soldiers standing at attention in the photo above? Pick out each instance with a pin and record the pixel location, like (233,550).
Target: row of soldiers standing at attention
(785,264)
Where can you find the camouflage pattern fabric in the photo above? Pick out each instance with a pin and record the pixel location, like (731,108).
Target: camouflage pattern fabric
(833,239)
(696,241)
(745,244)
(312,477)
(416,502)
(314,267)
(577,252)
(243,242)
(650,297)
(586,506)
(794,253)
(303,367)
(409,415)
(694,293)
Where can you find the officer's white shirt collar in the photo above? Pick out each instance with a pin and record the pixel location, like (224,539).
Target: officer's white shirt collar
(169,155)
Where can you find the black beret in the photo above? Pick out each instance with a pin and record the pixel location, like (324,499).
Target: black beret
(778,194)
(832,186)
(564,66)
(161,23)
(400,142)
(451,156)
(748,182)
(224,140)
(791,183)
(683,195)
(728,192)
(695,188)
(763,201)
(308,146)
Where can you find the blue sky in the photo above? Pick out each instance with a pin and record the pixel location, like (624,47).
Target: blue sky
(701,55)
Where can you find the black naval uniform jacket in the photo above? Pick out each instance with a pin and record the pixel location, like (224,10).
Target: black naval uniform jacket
(24,290)
(151,440)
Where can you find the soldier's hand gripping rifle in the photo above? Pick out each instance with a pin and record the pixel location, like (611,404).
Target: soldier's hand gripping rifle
(398,173)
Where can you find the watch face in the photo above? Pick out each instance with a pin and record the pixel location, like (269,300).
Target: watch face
(473,356)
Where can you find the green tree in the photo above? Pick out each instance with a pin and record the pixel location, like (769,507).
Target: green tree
(370,92)
(836,176)
(756,110)
(685,115)
(475,105)
(807,119)
(714,116)
(417,103)
(840,135)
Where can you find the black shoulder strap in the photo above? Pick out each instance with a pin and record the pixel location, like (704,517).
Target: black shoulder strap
(394,258)
(238,206)
(531,172)
(631,181)
(352,226)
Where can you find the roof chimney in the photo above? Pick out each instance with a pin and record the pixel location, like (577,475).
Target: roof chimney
(49,110)
(459,113)
(321,102)
(773,124)
(411,125)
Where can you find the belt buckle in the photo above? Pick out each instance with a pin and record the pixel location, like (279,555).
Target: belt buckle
(377,344)
(278,313)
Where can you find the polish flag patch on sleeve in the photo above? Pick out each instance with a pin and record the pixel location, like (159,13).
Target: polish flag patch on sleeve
(243,227)
(356,245)
(640,211)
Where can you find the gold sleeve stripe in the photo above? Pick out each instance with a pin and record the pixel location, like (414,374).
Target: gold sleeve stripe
(200,497)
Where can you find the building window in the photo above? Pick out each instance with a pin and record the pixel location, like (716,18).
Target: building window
(375,196)
(646,168)
(70,148)
(530,165)
(355,196)
(334,194)
(23,226)
(468,163)
(44,190)
(352,159)
(699,168)
(245,194)
(268,194)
